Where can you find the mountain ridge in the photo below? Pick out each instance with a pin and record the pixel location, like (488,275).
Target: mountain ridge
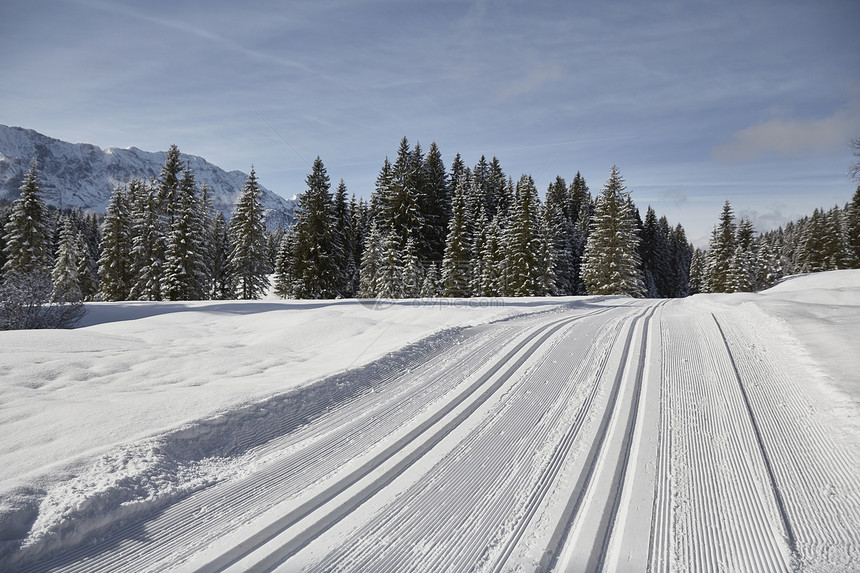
(84,175)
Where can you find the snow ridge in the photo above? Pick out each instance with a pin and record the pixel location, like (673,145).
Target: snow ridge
(83,175)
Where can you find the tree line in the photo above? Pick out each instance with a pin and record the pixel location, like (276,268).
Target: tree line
(426,231)
(738,260)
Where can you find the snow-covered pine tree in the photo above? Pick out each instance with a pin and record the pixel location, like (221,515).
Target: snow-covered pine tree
(64,276)
(223,278)
(698,282)
(28,235)
(316,268)
(343,237)
(744,269)
(479,239)
(284,265)
(456,262)
(679,266)
(185,272)
(560,229)
(371,263)
(611,263)
(389,280)
(412,271)
(87,275)
(249,259)
(524,265)
(435,207)
(149,241)
(115,262)
(720,252)
(494,277)
(169,185)
(852,230)
(430,285)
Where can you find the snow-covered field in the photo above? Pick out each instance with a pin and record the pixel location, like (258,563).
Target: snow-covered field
(719,432)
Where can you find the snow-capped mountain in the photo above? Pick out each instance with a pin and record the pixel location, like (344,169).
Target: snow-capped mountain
(84,175)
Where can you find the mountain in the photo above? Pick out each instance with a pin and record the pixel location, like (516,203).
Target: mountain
(83,175)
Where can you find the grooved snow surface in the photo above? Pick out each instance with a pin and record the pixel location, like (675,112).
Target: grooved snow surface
(718,432)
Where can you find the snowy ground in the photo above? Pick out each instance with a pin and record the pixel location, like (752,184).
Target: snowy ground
(716,432)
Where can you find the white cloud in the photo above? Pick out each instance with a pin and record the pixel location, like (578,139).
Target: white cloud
(791,137)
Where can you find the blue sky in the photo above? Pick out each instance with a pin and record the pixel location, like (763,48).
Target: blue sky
(696,102)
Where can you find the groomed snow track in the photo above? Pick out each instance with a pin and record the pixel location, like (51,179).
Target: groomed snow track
(620,435)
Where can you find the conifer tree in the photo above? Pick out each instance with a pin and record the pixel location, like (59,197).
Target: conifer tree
(318,253)
(344,252)
(562,236)
(248,257)
(115,262)
(430,285)
(223,278)
(435,207)
(185,272)
(149,242)
(389,281)
(721,251)
(284,265)
(28,235)
(494,277)
(456,262)
(698,282)
(169,185)
(852,229)
(371,263)
(412,271)
(611,263)
(64,275)
(87,273)
(524,262)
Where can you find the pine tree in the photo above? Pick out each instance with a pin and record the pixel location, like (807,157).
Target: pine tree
(430,285)
(87,274)
(494,277)
(698,282)
(456,262)
(611,263)
(371,263)
(185,272)
(852,230)
(248,257)
(317,270)
(344,252)
(744,262)
(28,235)
(561,233)
(389,281)
(435,207)
(223,278)
(680,262)
(169,185)
(64,276)
(525,267)
(115,263)
(412,271)
(149,242)
(720,252)
(284,265)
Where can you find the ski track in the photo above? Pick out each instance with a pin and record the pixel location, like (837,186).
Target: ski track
(489,487)
(627,435)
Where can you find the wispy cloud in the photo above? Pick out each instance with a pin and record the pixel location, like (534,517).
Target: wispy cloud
(791,137)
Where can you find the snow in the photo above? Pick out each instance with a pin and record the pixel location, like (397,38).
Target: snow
(144,403)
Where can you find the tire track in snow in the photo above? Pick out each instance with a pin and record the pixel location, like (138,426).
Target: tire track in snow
(415,441)
(481,492)
(817,473)
(786,523)
(608,456)
(722,514)
(183,525)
